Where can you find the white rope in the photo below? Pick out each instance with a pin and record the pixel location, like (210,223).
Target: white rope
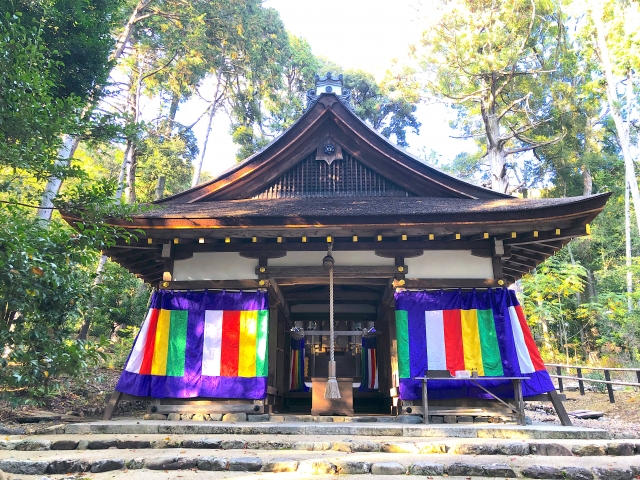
(332,390)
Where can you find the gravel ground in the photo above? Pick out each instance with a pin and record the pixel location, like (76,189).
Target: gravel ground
(621,419)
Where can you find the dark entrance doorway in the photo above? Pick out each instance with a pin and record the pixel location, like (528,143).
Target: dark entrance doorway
(356,311)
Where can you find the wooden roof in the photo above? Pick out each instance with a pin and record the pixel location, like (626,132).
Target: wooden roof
(283,199)
(329,117)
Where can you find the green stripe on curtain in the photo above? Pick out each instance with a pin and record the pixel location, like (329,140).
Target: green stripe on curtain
(177,343)
(491,358)
(262,336)
(402,336)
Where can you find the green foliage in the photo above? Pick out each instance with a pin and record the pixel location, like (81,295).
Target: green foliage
(31,115)
(74,34)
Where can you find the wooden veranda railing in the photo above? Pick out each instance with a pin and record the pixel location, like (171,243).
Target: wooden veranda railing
(581,379)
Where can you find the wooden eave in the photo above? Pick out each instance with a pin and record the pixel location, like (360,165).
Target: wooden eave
(530,234)
(329,117)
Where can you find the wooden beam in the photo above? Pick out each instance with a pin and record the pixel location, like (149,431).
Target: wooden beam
(515,269)
(435,283)
(564,234)
(339,245)
(538,249)
(339,271)
(216,284)
(274,289)
(302,297)
(291,281)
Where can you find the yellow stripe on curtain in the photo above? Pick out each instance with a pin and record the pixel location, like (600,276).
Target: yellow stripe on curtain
(161,347)
(247,347)
(471,341)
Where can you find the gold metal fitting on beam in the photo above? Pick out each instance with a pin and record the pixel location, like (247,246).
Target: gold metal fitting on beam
(457,236)
(500,282)
(262,269)
(176,240)
(404,238)
(379,238)
(149,241)
(254,239)
(431,236)
(304,239)
(535,234)
(201,240)
(165,284)
(262,283)
(227,239)
(279,240)
(354,238)
(401,269)
(329,239)
(485,235)
(557,231)
(587,229)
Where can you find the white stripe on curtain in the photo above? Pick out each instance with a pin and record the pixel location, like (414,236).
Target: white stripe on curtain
(436,352)
(524,359)
(137,354)
(212,349)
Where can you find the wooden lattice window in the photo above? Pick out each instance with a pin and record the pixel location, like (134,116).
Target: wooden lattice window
(342,178)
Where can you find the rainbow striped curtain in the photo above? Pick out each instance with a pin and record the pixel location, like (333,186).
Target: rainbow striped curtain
(200,344)
(482,331)
(369,364)
(296,372)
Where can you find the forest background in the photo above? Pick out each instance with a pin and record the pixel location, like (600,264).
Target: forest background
(545,91)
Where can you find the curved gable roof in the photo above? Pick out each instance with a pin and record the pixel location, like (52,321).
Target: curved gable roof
(329,117)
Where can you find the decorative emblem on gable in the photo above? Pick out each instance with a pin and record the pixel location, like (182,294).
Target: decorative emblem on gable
(328,150)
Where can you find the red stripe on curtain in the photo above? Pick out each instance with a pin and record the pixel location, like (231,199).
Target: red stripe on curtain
(147,359)
(230,343)
(534,353)
(453,340)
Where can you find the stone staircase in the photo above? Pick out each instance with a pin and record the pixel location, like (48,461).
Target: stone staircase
(146,455)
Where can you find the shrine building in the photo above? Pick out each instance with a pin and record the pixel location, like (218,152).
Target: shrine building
(240,317)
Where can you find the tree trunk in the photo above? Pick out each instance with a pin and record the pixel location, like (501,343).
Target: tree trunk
(627,242)
(198,167)
(66,152)
(132,165)
(498,162)
(587,181)
(173,110)
(622,128)
(70,144)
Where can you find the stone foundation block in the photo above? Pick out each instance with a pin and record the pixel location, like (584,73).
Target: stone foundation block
(399,448)
(578,473)
(166,443)
(424,468)
(501,470)
(102,444)
(280,465)
(450,419)
(232,444)
(589,450)
(62,467)
(388,468)
(430,448)
(460,469)
(539,471)
(411,419)
(171,463)
(208,443)
(234,417)
(154,416)
(258,418)
(365,447)
(465,419)
(174,417)
(245,464)
(316,467)
(64,445)
(620,449)
(550,450)
(133,444)
(213,464)
(604,473)
(437,419)
(109,465)
(33,445)
(23,467)
(346,467)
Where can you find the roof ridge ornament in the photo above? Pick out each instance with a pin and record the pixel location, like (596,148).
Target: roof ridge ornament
(329,83)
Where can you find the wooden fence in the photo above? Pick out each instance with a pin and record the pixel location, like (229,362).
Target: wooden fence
(581,379)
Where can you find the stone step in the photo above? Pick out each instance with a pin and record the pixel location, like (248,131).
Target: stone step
(135,426)
(581,448)
(318,463)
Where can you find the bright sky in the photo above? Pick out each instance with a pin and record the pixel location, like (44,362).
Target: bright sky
(355,34)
